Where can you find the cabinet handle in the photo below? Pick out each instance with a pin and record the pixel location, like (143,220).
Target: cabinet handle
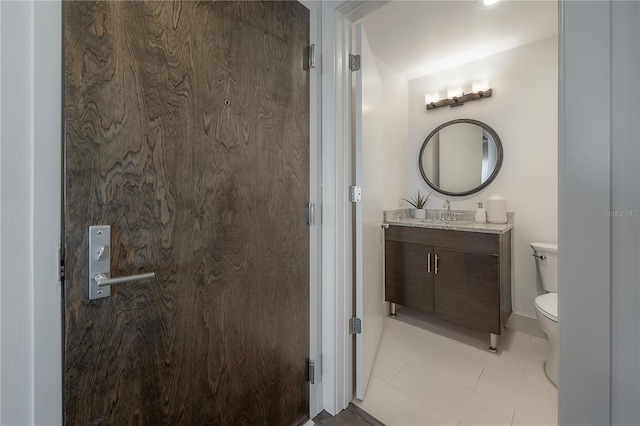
(429,262)
(436,271)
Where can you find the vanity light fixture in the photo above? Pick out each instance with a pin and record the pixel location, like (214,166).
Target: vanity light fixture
(456,97)
(486,4)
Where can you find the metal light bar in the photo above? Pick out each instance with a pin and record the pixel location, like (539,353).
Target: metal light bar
(459,100)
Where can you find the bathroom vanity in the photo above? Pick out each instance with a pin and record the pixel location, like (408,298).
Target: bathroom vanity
(459,272)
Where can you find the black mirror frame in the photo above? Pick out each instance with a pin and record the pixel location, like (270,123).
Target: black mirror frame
(484,184)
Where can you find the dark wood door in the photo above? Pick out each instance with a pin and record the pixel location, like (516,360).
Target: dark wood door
(408,275)
(187,131)
(467,288)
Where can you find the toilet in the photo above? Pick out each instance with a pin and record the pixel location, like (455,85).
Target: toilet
(546,256)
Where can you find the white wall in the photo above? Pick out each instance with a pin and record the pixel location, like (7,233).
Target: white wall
(523,111)
(16,205)
(30,213)
(47,212)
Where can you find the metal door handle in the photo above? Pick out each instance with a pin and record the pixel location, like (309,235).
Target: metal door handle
(436,272)
(99,278)
(103,280)
(429,262)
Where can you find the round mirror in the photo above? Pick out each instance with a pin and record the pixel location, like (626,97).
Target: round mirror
(460,157)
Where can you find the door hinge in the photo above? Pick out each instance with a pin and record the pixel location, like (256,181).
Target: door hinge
(354,62)
(355,194)
(311,56)
(355,325)
(60,264)
(311,371)
(311,214)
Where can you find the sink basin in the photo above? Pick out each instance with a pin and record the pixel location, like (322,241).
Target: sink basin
(447,222)
(433,221)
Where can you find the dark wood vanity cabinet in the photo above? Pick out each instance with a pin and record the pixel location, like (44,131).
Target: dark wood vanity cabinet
(406,266)
(460,276)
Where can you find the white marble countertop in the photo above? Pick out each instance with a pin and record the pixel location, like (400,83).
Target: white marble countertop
(489,228)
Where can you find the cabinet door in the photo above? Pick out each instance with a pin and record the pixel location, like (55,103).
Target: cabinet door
(467,288)
(408,275)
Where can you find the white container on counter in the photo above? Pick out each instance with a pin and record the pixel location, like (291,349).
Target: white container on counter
(497,209)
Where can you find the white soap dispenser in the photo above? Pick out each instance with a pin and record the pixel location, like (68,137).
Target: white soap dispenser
(481,214)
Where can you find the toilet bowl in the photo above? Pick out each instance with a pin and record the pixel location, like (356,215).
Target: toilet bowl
(547,314)
(546,256)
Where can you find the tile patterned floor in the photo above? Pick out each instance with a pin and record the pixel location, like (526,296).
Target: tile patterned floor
(426,377)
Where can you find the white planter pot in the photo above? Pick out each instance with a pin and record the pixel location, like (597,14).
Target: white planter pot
(419,213)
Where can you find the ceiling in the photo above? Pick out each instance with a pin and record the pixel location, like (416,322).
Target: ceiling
(418,38)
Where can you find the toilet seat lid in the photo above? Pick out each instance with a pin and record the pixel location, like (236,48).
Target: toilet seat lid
(547,305)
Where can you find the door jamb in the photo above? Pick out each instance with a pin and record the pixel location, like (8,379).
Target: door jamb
(315,192)
(337,242)
(337,279)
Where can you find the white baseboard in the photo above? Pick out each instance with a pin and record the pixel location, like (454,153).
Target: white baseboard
(525,324)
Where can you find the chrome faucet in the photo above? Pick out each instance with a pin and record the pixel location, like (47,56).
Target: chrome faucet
(447,215)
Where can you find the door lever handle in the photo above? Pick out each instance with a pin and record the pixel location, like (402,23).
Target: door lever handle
(99,278)
(103,280)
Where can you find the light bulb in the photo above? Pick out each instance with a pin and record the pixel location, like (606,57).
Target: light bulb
(453,92)
(431,97)
(480,86)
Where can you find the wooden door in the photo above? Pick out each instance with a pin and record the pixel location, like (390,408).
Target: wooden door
(187,131)
(467,288)
(408,275)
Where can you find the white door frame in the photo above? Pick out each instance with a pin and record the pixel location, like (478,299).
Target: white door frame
(315,193)
(583,384)
(337,242)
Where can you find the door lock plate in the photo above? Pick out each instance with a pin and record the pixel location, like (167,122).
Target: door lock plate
(99,259)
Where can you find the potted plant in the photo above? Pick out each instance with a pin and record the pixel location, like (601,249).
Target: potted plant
(419,202)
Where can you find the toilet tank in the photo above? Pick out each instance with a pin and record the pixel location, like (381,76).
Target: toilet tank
(547,268)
